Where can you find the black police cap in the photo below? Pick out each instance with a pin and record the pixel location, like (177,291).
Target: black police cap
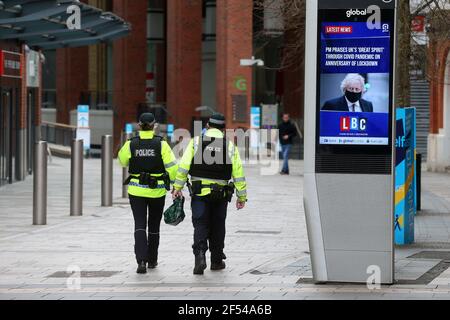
(217,119)
(147,118)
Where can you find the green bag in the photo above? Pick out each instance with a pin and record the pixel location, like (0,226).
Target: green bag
(174,215)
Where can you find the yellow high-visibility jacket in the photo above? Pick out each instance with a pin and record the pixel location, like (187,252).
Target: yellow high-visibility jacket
(169,160)
(237,172)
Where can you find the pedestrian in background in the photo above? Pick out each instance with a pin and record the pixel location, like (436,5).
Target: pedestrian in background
(287,132)
(152,168)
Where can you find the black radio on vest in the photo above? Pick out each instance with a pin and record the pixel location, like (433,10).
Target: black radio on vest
(146,156)
(212,160)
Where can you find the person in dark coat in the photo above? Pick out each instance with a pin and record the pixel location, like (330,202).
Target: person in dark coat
(287,132)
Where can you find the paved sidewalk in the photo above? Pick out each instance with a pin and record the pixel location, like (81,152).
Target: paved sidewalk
(266,246)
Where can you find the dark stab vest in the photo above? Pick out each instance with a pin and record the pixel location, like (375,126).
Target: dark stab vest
(211,160)
(146,156)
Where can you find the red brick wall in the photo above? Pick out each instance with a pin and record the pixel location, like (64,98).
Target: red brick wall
(234,42)
(130,64)
(294,80)
(72,79)
(439,52)
(13,83)
(21,85)
(184,57)
(293,92)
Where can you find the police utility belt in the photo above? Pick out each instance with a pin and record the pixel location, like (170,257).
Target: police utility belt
(218,192)
(146,179)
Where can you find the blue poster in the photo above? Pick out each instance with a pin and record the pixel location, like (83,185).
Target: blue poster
(129,128)
(255,118)
(405,176)
(170,130)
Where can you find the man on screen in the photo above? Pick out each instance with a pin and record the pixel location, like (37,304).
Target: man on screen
(353,88)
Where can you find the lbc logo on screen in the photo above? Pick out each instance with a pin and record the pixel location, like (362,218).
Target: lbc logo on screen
(353,124)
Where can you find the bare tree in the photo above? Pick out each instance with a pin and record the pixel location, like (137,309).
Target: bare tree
(413,53)
(288,18)
(425,46)
(403,84)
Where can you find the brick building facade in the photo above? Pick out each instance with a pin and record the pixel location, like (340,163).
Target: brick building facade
(20,107)
(439,138)
(26,29)
(189,52)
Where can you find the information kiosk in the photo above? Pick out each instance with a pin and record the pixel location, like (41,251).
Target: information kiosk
(349,139)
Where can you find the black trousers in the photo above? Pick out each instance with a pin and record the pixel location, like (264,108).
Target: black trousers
(208,219)
(146,248)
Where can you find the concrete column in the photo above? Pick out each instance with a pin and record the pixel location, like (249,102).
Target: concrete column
(184,58)
(234,42)
(439,138)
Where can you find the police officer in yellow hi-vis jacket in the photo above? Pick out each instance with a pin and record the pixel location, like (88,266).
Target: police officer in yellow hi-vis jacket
(211,161)
(152,168)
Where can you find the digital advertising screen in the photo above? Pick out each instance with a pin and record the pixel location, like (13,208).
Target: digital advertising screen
(355,78)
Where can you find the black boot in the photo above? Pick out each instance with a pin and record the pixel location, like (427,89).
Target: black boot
(142,267)
(152,265)
(217,262)
(200,263)
(217,265)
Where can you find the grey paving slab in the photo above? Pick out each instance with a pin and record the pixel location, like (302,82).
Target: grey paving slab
(266,245)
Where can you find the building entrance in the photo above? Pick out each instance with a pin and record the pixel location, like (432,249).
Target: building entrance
(8,130)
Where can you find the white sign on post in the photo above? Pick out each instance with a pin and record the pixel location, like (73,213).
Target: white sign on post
(269,115)
(85,135)
(83,116)
(83,131)
(255,123)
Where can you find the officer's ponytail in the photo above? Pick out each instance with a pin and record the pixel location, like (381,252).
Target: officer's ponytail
(147,127)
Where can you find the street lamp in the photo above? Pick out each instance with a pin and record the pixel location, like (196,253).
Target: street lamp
(252,62)
(205,108)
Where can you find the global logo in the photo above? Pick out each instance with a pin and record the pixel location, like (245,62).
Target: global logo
(240,83)
(374,19)
(356,12)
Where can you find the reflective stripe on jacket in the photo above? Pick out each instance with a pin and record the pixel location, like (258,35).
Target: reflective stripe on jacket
(170,164)
(237,173)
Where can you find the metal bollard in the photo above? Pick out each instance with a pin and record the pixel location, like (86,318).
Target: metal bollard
(40,184)
(247,148)
(125,138)
(419,181)
(107,171)
(76,178)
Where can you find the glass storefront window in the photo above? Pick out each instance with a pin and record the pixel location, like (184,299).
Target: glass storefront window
(156,52)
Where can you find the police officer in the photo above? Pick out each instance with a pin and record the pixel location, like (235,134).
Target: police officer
(211,161)
(152,167)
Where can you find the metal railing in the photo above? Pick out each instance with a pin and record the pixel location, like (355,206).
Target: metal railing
(57,133)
